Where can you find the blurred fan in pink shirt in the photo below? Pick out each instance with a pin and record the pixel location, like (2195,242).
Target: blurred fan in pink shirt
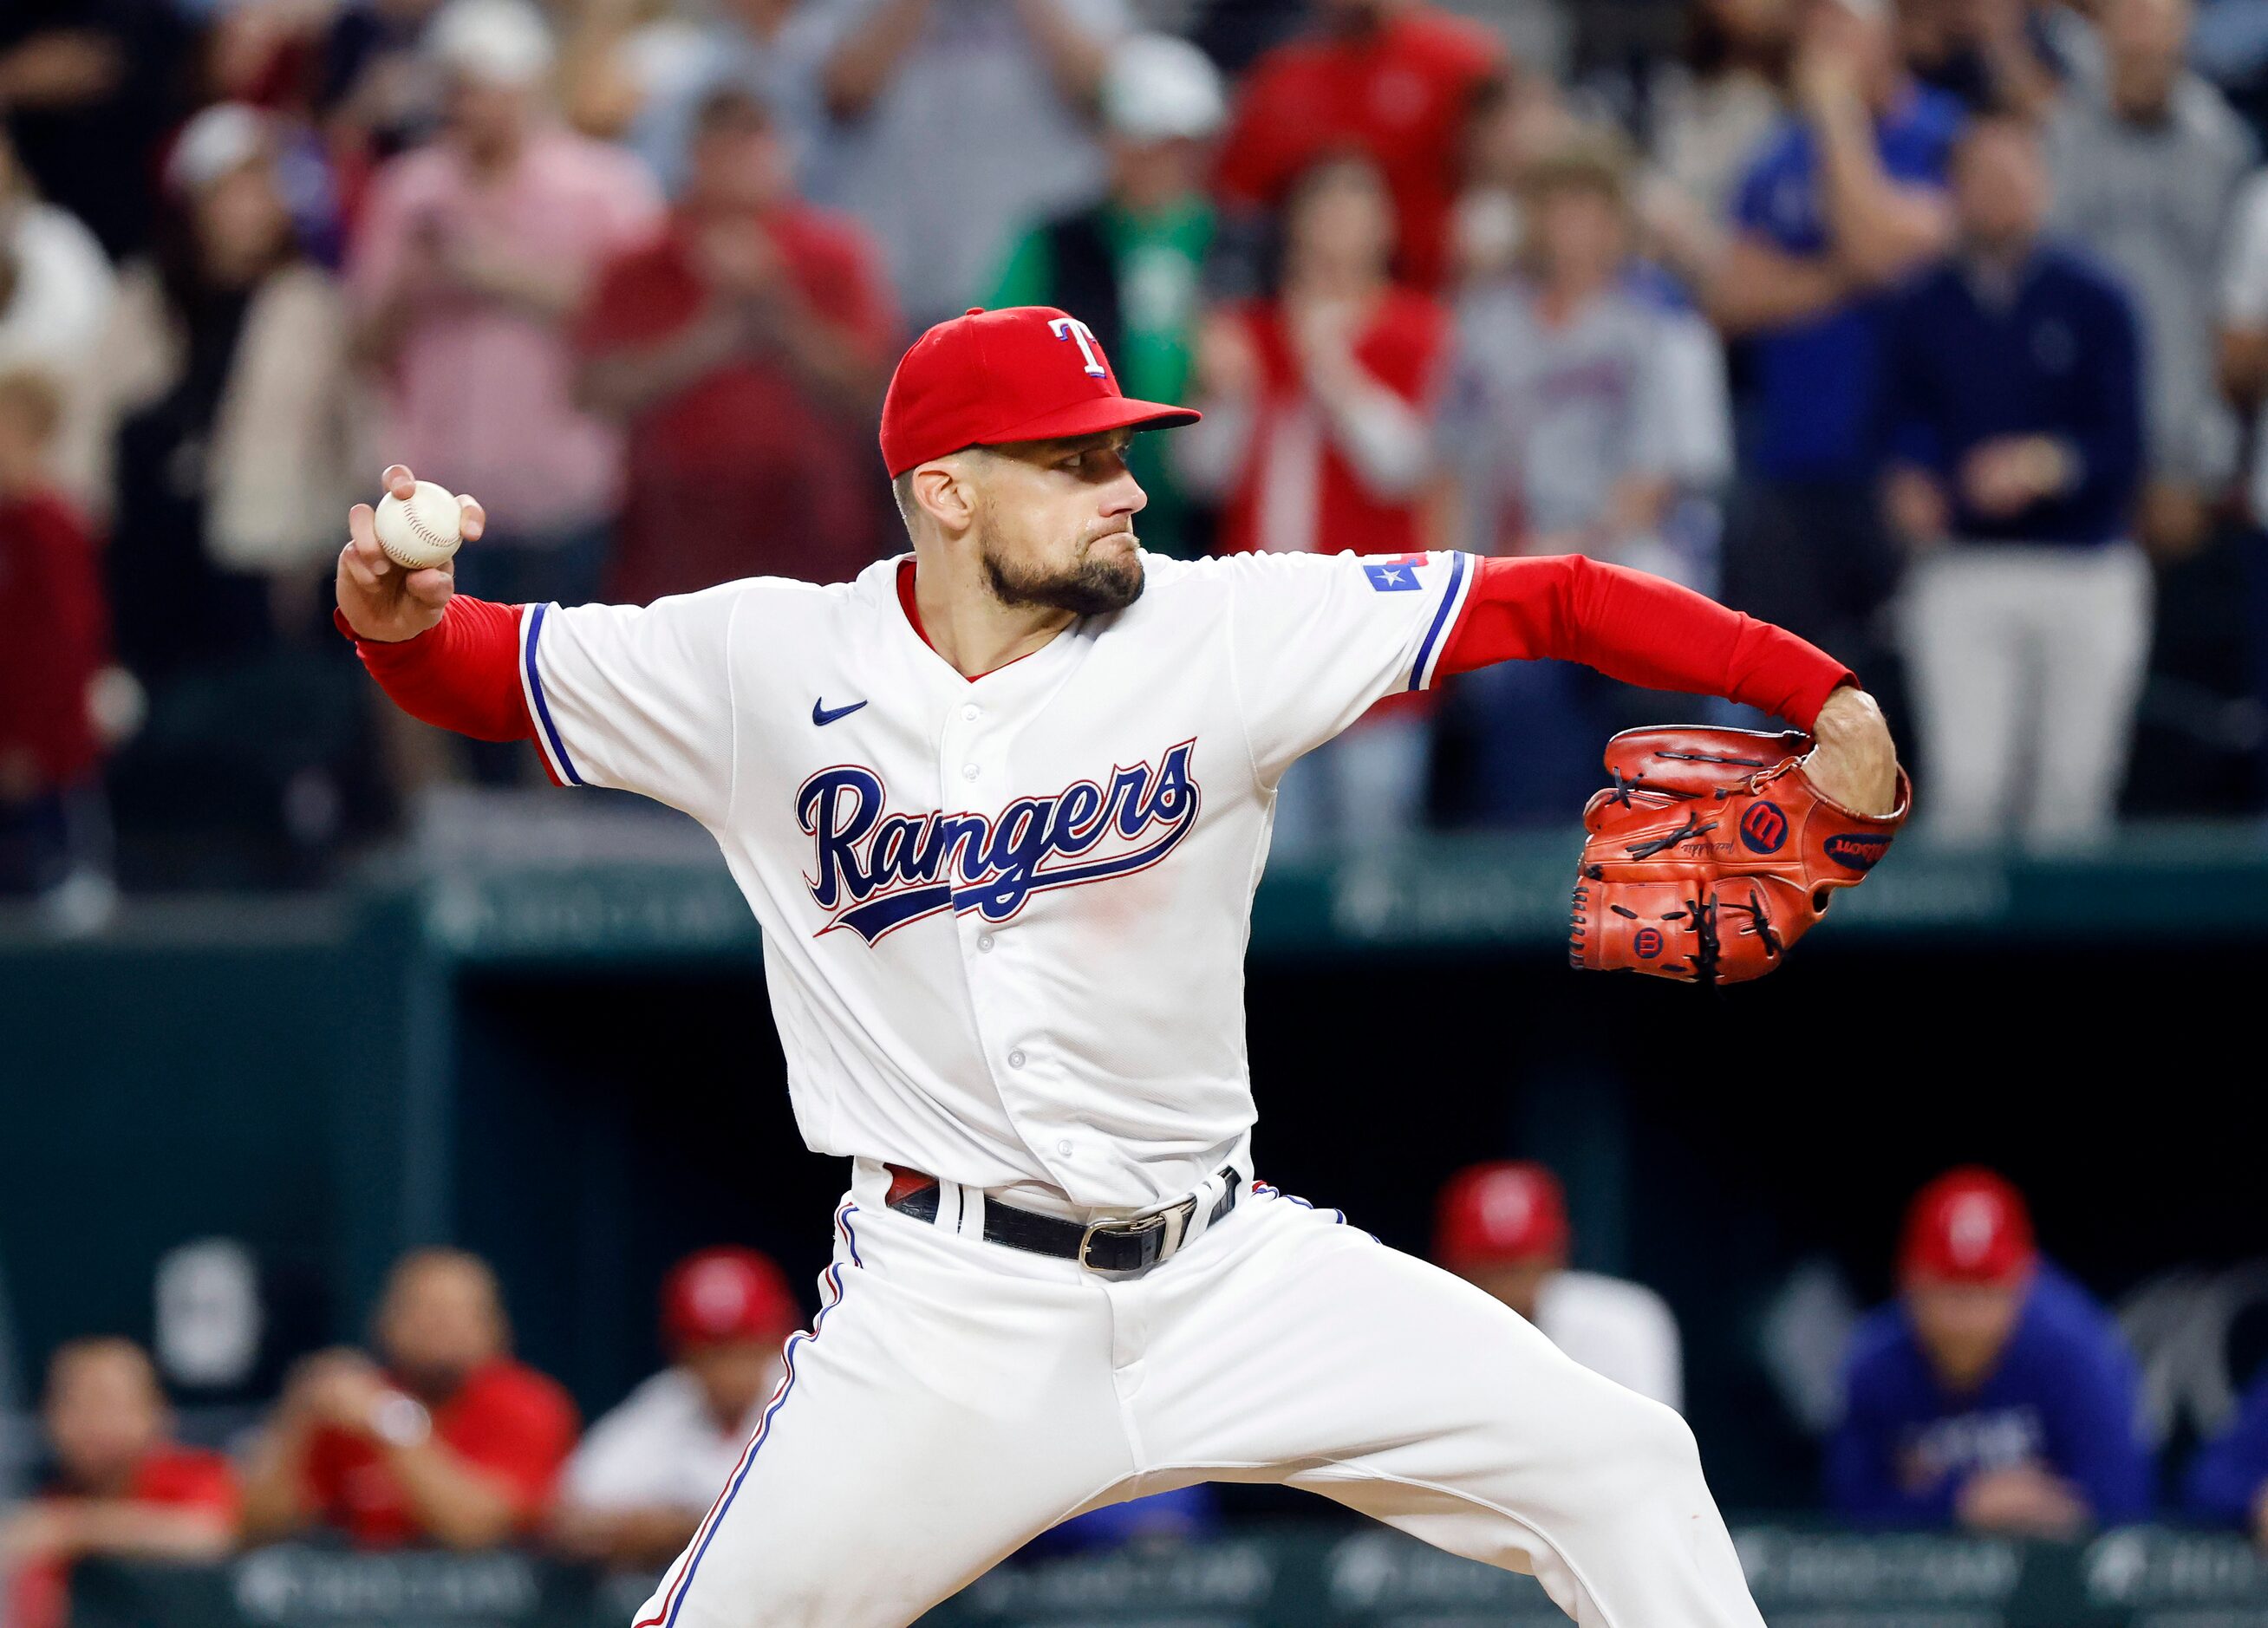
(474,254)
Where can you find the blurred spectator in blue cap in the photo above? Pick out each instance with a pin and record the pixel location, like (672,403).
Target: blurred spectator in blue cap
(2014,406)
(1130,265)
(1995,1395)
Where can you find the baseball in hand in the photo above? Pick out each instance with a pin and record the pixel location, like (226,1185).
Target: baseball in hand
(424,531)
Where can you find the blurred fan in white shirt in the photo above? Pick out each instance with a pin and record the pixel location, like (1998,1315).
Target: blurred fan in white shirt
(637,1487)
(1503,1226)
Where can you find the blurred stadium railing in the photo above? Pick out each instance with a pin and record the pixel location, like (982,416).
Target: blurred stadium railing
(1291,1578)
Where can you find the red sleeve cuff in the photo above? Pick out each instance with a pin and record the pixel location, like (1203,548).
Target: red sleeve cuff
(462,674)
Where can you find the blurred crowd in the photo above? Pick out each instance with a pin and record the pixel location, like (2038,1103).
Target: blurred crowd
(1994,1394)
(1933,329)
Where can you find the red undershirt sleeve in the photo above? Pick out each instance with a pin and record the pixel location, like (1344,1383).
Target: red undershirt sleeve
(1640,628)
(462,674)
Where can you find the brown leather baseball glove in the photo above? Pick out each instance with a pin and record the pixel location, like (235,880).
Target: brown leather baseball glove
(1712,853)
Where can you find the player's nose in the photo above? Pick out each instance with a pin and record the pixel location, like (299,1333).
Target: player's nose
(1124,496)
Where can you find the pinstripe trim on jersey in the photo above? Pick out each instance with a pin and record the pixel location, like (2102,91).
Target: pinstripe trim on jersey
(1445,617)
(531,682)
(672,1599)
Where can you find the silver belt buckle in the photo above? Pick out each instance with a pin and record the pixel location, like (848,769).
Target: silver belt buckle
(1133,1226)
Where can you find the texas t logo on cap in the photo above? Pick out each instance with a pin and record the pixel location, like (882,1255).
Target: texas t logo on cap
(1027,374)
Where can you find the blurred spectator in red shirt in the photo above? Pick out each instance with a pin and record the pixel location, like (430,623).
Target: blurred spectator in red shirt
(54,633)
(451,1442)
(475,254)
(742,351)
(1318,438)
(1318,400)
(120,1487)
(1392,78)
(637,1487)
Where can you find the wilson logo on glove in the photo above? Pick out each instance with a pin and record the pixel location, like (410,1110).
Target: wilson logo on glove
(1763,828)
(1659,894)
(1856,852)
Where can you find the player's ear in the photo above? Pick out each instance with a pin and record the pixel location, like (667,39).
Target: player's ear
(945,491)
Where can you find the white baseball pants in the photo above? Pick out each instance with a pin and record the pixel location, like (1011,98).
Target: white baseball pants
(2026,663)
(956,1397)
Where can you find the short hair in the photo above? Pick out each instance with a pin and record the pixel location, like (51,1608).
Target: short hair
(86,1347)
(445,1257)
(36,397)
(1996,118)
(731,105)
(1337,167)
(1594,161)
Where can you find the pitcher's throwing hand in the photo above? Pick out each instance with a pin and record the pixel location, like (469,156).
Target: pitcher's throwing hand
(381,601)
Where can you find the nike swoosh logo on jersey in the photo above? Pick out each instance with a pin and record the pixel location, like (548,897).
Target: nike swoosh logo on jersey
(823,715)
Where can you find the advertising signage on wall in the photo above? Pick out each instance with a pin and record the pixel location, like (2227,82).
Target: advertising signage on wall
(1803,1577)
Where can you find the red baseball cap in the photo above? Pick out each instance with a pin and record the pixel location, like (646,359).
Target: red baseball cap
(1499,1214)
(1969,1226)
(726,1294)
(1026,373)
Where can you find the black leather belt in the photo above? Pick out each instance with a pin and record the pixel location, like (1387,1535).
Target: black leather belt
(1122,1245)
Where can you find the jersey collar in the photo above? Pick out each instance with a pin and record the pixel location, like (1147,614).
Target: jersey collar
(912,609)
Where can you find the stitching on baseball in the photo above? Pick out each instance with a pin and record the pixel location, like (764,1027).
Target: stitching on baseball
(421,529)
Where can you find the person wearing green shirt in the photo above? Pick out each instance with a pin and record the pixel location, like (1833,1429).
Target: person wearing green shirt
(1129,266)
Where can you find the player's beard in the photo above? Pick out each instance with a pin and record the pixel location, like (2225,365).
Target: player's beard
(1096,586)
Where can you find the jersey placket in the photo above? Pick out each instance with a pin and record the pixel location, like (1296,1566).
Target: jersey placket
(974,745)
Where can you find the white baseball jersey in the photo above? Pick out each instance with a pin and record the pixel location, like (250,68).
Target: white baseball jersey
(1004,919)
(659,1448)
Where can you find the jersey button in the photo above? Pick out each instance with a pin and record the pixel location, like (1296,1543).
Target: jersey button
(1015,1059)
(1063,1147)
(969,771)
(972,712)
(984,943)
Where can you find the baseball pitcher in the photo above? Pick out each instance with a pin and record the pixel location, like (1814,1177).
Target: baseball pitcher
(1000,804)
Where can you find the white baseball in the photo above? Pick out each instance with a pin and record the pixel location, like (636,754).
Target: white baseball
(424,531)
